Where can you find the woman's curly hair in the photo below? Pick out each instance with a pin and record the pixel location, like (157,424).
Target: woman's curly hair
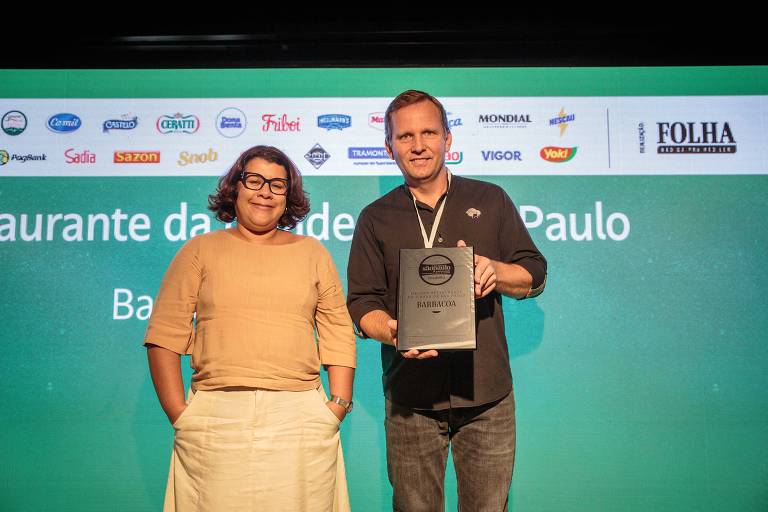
(296,202)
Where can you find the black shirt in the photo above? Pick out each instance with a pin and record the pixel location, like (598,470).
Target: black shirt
(482,215)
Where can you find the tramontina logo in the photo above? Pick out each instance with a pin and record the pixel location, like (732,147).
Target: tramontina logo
(3,157)
(14,122)
(558,155)
(436,269)
(124,123)
(317,156)
(231,122)
(562,121)
(63,123)
(334,121)
(178,123)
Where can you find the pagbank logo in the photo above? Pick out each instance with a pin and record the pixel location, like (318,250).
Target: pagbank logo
(557,155)
(502,155)
(231,122)
(562,121)
(136,157)
(705,137)
(504,120)
(124,123)
(14,122)
(334,121)
(376,120)
(6,157)
(186,158)
(71,156)
(63,123)
(279,123)
(178,123)
(317,156)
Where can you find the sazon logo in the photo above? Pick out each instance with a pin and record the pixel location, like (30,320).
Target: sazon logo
(136,157)
(558,155)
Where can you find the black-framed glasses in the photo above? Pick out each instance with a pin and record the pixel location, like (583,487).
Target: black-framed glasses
(255,181)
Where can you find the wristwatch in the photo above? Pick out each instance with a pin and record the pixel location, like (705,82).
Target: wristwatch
(347,405)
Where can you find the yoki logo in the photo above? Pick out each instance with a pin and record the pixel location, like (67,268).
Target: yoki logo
(558,155)
(275,123)
(178,123)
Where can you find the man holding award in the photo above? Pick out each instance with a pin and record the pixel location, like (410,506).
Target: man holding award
(428,264)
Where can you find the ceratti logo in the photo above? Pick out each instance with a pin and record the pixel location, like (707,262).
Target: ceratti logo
(178,123)
(558,155)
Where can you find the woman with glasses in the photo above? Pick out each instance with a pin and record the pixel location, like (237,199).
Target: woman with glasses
(259,309)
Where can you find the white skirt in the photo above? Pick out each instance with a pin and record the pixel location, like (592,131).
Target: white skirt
(256,450)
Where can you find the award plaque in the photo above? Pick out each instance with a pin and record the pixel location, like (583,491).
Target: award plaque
(436,299)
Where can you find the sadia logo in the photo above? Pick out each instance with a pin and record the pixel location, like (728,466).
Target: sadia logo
(124,123)
(695,138)
(558,155)
(79,157)
(178,123)
(562,121)
(63,123)
(334,121)
(14,122)
(136,157)
(231,122)
(436,269)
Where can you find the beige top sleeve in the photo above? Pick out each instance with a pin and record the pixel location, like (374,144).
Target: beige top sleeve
(336,338)
(171,324)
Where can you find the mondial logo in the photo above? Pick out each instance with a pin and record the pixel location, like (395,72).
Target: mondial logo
(136,157)
(334,121)
(562,120)
(14,122)
(63,123)
(231,122)
(178,123)
(558,155)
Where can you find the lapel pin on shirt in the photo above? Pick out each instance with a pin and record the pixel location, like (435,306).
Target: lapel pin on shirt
(473,213)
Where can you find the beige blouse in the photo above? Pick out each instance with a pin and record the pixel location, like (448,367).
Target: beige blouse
(258,307)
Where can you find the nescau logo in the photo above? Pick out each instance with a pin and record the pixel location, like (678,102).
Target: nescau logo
(436,269)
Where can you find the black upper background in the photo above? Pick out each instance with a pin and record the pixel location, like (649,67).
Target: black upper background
(402,35)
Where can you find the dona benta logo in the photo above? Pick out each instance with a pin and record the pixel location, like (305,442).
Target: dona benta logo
(436,269)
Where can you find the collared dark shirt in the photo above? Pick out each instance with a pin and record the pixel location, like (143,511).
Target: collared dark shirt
(482,215)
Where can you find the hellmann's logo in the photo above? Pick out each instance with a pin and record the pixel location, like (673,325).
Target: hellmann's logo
(136,157)
(558,155)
